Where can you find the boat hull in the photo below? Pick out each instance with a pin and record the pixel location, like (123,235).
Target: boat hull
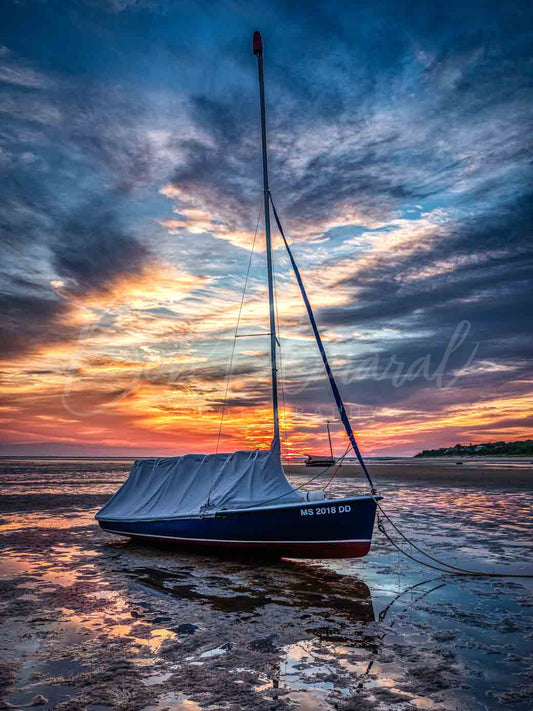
(336,528)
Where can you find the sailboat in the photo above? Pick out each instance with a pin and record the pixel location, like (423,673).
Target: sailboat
(317,460)
(243,500)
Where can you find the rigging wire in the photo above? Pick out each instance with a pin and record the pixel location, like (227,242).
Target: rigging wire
(309,481)
(292,489)
(441,566)
(282,379)
(230,367)
(281,370)
(339,464)
(333,384)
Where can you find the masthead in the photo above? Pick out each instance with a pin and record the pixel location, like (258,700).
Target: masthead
(257,43)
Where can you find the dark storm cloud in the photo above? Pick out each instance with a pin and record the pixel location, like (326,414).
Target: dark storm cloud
(211,379)
(400,383)
(490,293)
(435,85)
(66,176)
(92,250)
(222,166)
(106,126)
(468,123)
(490,263)
(87,249)
(27,321)
(486,286)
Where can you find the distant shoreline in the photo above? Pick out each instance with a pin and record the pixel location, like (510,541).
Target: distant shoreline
(514,448)
(296,462)
(63,457)
(514,472)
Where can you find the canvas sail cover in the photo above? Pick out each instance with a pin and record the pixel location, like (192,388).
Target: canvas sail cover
(200,483)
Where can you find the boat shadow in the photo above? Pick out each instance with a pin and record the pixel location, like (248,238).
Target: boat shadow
(232,582)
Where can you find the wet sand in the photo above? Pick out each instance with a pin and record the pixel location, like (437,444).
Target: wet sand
(513,472)
(94,622)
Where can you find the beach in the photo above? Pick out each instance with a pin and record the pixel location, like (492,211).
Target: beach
(446,471)
(95,622)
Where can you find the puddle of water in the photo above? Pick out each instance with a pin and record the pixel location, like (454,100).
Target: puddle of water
(174,702)
(153,679)
(214,652)
(29,686)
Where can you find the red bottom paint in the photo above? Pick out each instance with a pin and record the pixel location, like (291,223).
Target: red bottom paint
(333,549)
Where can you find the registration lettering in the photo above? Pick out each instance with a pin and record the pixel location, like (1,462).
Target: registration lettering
(325,510)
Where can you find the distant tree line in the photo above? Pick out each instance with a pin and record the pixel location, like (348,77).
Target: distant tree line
(487,449)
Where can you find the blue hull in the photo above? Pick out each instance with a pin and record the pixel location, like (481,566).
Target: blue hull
(336,528)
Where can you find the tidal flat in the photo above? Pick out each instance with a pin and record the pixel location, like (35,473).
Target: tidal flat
(91,621)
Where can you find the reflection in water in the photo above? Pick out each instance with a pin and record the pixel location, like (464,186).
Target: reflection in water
(235,585)
(107,623)
(118,601)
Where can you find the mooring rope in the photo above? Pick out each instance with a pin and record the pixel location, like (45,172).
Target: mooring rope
(425,593)
(446,568)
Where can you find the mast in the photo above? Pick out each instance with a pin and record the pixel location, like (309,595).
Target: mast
(258,51)
(334,389)
(329,437)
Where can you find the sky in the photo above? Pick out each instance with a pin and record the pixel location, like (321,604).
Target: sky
(130,170)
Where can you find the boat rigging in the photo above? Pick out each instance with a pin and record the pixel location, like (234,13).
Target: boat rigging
(243,500)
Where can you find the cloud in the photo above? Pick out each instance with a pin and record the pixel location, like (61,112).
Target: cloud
(61,219)
(488,260)
(92,250)
(28,321)
(216,181)
(23,77)
(131,184)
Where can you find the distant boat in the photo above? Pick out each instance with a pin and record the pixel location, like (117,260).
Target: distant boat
(317,460)
(243,500)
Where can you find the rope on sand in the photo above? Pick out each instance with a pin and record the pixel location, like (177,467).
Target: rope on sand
(447,568)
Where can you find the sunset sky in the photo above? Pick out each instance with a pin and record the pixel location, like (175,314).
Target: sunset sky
(400,162)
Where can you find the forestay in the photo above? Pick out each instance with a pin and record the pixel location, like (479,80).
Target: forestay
(198,484)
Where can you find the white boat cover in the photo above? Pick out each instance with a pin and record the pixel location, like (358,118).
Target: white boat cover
(200,483)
